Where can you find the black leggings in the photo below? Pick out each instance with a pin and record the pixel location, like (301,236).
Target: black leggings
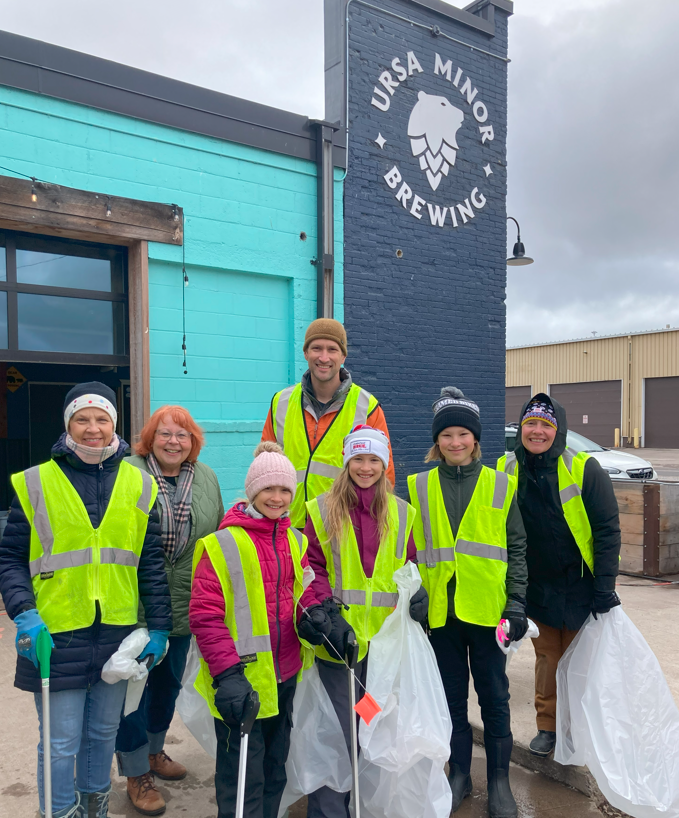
(459,646)
(268,749)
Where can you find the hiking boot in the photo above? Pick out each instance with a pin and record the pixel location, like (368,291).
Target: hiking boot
(141,790)
(460,762)
(501,803)
(167,769)
(91,804)
(543,744)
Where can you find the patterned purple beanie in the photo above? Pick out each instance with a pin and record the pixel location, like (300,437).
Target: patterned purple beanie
(540,410)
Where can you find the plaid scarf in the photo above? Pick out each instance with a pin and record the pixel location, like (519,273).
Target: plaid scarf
(174,523)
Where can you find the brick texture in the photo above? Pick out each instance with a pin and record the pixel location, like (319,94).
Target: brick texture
(435,316)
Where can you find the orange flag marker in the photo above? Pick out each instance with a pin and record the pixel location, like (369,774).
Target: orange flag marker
(367,708)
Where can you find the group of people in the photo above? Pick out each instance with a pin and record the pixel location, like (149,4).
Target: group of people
(99,543)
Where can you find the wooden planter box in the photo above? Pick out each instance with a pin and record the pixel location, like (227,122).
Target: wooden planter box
(649,522)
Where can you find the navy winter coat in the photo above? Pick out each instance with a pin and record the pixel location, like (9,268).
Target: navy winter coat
(80,655)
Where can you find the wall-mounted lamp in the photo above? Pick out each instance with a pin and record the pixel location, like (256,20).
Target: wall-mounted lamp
(519,257)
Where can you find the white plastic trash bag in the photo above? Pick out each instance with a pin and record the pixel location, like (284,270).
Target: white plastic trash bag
(318,754)
(616,714)
(409,741)
(532,633)
(124,665)
(193,708)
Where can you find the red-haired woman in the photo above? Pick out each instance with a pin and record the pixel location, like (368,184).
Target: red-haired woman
(190,506)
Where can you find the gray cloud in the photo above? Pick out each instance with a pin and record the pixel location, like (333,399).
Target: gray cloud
(593,121)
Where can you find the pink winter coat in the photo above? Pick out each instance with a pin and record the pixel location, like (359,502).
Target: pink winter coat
(207,610)
(367,537)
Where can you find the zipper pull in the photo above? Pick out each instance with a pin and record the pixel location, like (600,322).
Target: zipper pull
(459,472)
(101,466)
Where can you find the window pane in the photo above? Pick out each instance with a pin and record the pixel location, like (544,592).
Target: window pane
(56,324)
(3,265)
(3,322)
(63,271)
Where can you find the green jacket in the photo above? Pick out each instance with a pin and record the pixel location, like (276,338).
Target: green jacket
(207,512)
(457,486)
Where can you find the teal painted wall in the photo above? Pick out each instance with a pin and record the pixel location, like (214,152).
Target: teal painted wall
(252,289)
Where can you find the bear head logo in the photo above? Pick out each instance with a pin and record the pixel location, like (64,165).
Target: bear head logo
(432,129)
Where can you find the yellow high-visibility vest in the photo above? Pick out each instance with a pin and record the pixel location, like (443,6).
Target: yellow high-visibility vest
(316,471)
(234,558)
(570,473)
(477,556)
(73,565)
(371,600)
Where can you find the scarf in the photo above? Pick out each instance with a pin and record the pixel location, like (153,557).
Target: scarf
(178,506)
(93,454)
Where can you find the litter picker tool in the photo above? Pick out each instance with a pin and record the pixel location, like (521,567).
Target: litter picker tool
(250,712)
(352,661)
(44,651)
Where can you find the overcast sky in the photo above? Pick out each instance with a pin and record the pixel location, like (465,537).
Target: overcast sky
(593,130)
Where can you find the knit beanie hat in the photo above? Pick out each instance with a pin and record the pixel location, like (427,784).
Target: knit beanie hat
(366,440)
(90,395)
(269,468)
(328,329)
(542,411)
(453,409)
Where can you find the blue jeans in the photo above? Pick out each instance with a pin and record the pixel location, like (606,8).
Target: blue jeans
(142,733)
(84,724)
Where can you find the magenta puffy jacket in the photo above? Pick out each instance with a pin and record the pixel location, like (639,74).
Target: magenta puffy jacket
(206,611)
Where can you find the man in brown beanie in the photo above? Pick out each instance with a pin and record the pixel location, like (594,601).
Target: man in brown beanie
(311,419)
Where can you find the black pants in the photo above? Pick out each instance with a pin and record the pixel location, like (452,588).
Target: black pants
(459,646)
(326,803)
(267,753)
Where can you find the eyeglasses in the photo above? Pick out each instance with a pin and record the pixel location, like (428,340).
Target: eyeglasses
(182,437)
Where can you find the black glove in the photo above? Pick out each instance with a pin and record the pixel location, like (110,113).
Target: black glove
(314,625)
(603,602)
(232,688)
(515,614)
(339,630)
(419,605)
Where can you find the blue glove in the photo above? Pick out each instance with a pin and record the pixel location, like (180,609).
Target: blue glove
(155,647)
(29,624)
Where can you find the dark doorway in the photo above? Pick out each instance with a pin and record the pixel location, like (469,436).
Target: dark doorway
(33,412)
(593,408)
(515,397)
(661,398)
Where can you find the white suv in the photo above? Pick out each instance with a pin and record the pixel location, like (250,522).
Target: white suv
(619,463)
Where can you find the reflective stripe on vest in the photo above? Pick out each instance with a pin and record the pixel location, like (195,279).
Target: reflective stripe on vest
(570,475)
(315,471)
(479,561)
(79,552)
(370,600)
(234,558)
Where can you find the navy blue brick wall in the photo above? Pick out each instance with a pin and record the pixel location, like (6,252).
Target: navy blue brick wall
(435,316)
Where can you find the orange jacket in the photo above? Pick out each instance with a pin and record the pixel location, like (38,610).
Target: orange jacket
(317,428)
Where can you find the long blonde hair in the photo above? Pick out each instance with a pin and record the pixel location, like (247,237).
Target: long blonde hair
(342,499)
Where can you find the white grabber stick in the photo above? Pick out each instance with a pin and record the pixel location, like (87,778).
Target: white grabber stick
(249,715)
(352,661)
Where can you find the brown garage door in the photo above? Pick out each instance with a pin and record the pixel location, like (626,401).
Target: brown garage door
(661,427)
(593,408)
(515,397)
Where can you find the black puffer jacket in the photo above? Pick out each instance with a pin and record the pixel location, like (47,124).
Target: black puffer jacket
(560,585)
(80,655)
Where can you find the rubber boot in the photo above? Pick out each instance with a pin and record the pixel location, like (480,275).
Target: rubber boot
(501,803)
(459,777)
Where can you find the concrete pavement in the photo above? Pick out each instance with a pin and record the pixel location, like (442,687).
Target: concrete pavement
(664,461)
(653,608)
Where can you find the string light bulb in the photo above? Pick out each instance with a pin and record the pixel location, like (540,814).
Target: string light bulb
(108,207)
(175,212)
(34,193)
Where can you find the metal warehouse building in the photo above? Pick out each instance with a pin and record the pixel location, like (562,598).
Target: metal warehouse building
(628,382)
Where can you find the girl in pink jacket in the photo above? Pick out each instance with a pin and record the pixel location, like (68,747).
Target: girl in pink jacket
(269,486)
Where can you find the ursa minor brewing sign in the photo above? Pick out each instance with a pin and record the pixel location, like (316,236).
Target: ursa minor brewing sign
(433,125)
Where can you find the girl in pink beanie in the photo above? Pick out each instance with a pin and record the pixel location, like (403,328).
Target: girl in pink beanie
(260,531)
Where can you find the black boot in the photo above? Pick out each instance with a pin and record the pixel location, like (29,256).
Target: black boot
(459,778)
(501,803)
(543,744)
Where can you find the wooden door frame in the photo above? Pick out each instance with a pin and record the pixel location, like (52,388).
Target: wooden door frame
(98,217)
